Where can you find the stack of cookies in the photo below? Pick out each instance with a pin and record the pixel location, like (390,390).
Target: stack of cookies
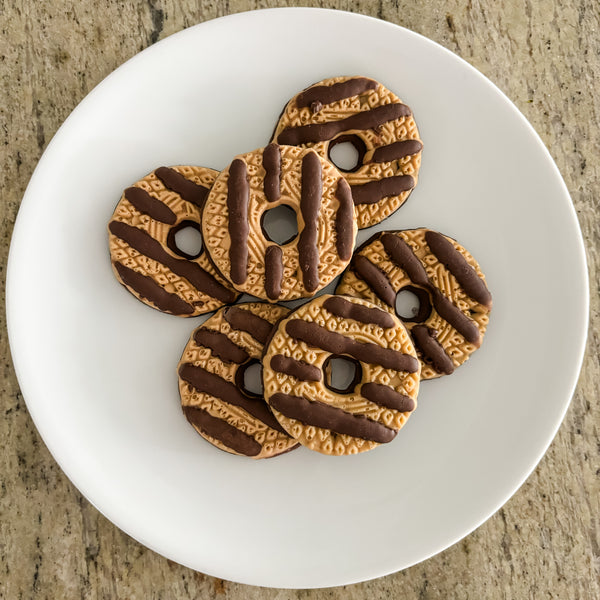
(387,351)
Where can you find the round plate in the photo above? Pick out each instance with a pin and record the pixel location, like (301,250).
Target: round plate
(97,367)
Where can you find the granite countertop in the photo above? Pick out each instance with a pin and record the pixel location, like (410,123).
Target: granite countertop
(545,542)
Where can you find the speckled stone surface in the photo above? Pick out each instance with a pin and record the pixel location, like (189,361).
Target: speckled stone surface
(545,542)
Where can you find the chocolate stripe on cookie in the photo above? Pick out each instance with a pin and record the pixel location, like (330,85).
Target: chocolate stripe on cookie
(320,132)
(374,191)
(149,205)
(456,263)
(403,256)
(451,313)
(340,307)
(295,368)
(272,165)
(221,430)
(336,420)
(187,189)
(396,150)
(209,383)
(147,288)
(431,349)
(310,204)
(238,195)
(273,271)
(344,220)
(330,341)
(375,278)
(145,244)
(384,395)
(327,94)
(220,346)
(244,320)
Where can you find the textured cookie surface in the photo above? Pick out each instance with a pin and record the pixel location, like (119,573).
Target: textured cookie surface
(214,397)
(366,114)
(143,247)
(298,384)
(265,179)
(454,301)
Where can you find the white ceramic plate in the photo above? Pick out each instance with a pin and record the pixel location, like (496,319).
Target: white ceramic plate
(97,368)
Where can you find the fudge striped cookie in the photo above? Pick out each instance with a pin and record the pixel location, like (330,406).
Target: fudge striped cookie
(144,251)
(265,180)
(215,397)
(298,375)
(453,301)
(364,113)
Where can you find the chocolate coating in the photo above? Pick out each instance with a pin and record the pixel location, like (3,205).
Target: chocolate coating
(176,182)
(310,204)
(326,94)
(230,436)
(341,307)
(314,334)
(319,132)
(329,417)
(237,204)
(149,205)
(147,288)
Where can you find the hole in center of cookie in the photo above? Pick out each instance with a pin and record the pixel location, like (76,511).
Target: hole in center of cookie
(251,378)
(185,239)
(342,373)
(413,304)
(280,224)
(347,152)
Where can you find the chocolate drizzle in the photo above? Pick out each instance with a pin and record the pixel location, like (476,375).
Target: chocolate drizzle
(384,395)
(149,205)
(327,94)
(147,288)
(456,263)
(221,430)
(187,189)
(273,271)
(145,244)
(244,320)
(238,195)
(295,368)
(374,191)
(431,349)
(315,335)
(272,165)
(344,220)
(396,150)
(220,345)
(213,385)
(403,256)
(375,278)
(310,204)
(320,132)
(335,419)
(451,313)
(340,307)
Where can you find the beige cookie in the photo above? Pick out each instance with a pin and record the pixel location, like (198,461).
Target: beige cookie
(143,246)
(298,375)
(268,179)
(454,303)
(364,113)
(212,386)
